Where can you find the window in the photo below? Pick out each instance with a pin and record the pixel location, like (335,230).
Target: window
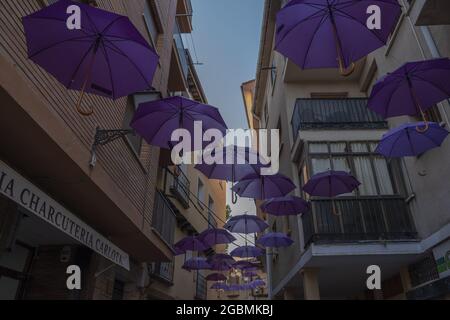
(152,23)
(200,191)
(372,170)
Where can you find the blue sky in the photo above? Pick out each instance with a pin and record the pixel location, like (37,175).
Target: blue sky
(226,36)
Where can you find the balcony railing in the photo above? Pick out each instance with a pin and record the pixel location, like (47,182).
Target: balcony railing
(201,291)
(358,219)
(334,113)
(164,219)
(181,51)
(162,271)
(180,187)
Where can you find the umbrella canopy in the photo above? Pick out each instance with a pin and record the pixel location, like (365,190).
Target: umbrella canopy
(221,257)
(234,287)
(406,140)
(196,264)
(275,240)
(244,265)
(190,243)
(247,252)
(412,89)
(329,34)
(216,277)
(220,286)
(259,283)
(214,236)
(286,206)
(220,265)
(155,121)
(246,224)
(238,162)
(106,57)
(262,187)
(331,184)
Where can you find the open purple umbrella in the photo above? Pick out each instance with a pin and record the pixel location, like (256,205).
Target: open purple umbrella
(259,283)
(191,243)
(196,264)
(155,121)
(216,277)
(246,224)
(219,286)
(275,240)
(234,287)
(219,257)
(247,252)
(261,187)
(107,56)
(244,265)
(331,184)
(412,89)
(286,206)
(220,265)
(214,236)
(406,140)
(332,33)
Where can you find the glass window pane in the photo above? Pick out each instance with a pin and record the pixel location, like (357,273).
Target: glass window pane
(364,174)
(383,176)
(338,147)
(359,147)
(320,165)
(150,22)
(341,164)
(318,148)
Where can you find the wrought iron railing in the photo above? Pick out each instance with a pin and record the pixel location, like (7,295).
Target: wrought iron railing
(163,271)
(358,219)
(180,185)
(334,113)
(201,291)
(164,219)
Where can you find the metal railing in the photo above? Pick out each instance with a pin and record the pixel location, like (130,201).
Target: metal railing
(163,271)
(164,219)
(179,186)
(334,113)
(181,51)
(358,219)
(201,291)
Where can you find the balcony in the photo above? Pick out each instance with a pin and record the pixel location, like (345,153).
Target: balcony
(351,113)
(179,186)
(184,15)
(179,68)
(359,219)
(434,12)
(162,271)
(164,219)
(201,291)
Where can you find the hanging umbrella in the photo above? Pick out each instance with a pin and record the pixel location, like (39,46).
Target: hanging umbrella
(260,187)
(406,140)
(246,224)
(259,283)
(275,240)
(331,184)
(286,206)
(221,257)
(220,266)
(234,287)
(332,33)
(412,89)
(196,264)
(190,243)
(216,277)
(155,121)
(245,265)
(214,236)
(219,286)
(106,57)
(247,252)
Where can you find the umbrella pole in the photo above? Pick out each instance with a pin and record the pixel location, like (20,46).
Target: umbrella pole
(335,212)
(422,113)
(83,89)
(342,71)
(234,197)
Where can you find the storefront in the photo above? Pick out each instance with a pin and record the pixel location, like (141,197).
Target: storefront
(40,238)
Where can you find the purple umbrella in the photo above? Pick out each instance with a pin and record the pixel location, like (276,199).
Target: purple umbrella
(155,121)
(275,240)
(191,243)
(214,236)
(221,257)
(107,56)
(250,274)
(219,286)
(246,224)
(412,89)
(247,252)
(331,184)
(245,265)
(260,187)
(406,140)
(219,265)
(234,287)
(216,277)
(332,33)
(286,206)
(196,264)
(259,283)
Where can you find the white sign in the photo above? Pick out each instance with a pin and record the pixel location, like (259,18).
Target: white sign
(20,190)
